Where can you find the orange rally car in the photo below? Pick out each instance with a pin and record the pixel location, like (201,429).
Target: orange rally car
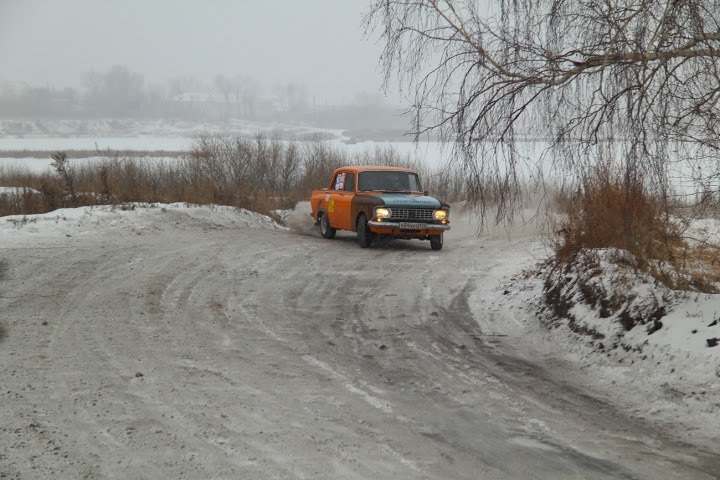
(379,202)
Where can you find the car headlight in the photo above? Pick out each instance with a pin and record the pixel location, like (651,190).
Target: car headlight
(383,212)
(440,214)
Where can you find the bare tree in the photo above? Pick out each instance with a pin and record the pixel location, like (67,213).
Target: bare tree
(629,81)
(222,84)
(246,91)
(118,91)
(183,84)
(292,96)
(61,165)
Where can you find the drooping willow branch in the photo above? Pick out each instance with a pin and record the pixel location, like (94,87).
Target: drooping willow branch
(594,80)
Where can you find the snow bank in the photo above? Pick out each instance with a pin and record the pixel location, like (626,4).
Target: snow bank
(624,329)
(132,218)
(17,191)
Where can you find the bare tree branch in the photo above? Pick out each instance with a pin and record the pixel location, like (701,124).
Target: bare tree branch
(626,79)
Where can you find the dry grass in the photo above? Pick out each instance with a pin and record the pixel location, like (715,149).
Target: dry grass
(701,264)
(615,210)
(3,269)
(610,210)
(259,173)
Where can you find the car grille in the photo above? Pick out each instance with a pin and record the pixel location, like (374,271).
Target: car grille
(411,214)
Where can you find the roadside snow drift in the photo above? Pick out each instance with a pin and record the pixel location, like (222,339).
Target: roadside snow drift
(134,218)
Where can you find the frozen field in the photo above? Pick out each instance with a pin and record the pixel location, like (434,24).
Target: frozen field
(31,151)
(136,143)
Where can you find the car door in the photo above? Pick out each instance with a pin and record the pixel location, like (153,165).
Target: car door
(344,202)
(339,199)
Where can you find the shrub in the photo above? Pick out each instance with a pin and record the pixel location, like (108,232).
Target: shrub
(66,174)
(612,209)
(616,209)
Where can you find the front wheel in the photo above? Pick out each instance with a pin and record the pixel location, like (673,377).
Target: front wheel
(325,229)
(436,241)
(364,235)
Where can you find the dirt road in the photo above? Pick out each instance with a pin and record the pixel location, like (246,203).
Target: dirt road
(250,353)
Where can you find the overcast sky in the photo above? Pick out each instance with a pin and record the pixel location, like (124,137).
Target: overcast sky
(315,42)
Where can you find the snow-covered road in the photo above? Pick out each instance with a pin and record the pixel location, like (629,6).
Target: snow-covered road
(198,344)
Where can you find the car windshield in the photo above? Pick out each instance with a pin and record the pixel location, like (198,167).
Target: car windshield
(388,181)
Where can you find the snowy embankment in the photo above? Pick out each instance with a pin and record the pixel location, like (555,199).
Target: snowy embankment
(623,328)
(132,218)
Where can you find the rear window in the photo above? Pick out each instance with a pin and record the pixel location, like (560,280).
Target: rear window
(339,181)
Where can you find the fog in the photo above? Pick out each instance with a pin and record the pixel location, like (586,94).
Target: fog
(317,44)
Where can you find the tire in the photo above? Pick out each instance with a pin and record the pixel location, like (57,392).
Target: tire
(436,241)
(325,229)
(364,235)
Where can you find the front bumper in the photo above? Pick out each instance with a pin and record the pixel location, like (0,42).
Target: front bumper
(407,229)
(426,226)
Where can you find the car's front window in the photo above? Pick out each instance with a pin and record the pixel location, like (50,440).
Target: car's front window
(388,181)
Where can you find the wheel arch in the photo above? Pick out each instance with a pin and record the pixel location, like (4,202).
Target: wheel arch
(363,205)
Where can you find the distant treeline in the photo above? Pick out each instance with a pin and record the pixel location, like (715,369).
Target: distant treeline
(120,92)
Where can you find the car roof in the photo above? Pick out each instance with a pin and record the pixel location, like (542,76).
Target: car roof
(367,168)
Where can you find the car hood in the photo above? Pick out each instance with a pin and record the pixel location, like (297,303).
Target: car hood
(407,200)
